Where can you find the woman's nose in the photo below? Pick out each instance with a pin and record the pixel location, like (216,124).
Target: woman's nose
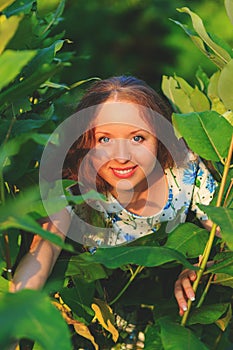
(121,150)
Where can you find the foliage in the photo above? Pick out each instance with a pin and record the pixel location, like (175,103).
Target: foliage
(101,296)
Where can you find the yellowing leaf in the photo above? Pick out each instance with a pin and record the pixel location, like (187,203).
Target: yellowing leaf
(79,327)
(5,3)
(222,323)
(104,315)
(8,27)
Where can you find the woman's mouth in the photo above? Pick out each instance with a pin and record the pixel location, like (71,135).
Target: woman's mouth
(124,173)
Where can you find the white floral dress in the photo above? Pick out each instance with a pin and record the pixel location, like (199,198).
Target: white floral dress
(187,186)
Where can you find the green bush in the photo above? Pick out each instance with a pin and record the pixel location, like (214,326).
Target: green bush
(135,281)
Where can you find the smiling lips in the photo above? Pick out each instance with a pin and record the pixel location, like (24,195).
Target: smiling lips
(124,173)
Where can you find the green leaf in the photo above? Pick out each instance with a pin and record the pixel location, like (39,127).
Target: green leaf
(44,6)
(5,3)
(79,298)
(223,279)
(40,69)
(141,255)
(30,314)
(200,29)
(184,96)
(13,146)
(225,85)
(89,272)
(204,132)
(8,67)
(177,337)
(176,95)
(188,239)
(207,314)
(229,9)
(8,27)
(26,223)
(224,218)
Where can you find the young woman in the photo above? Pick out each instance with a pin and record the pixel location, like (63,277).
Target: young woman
(127,152)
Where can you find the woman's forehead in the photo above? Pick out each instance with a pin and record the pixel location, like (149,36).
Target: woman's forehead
(127,113)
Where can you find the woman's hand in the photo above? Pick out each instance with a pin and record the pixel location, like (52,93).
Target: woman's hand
(183,289)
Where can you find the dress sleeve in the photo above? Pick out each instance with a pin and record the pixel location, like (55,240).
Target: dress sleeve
(203,190)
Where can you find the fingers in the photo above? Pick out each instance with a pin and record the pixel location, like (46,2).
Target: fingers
(183,289)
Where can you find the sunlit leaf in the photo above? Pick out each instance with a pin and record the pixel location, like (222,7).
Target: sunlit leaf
(203,133)
(79,327)
(8,27)
(223,279)
(8,69)
(201,31)
(104,315)
(225,84)
(229,9)
(5,3)
(44,6)
(30,314)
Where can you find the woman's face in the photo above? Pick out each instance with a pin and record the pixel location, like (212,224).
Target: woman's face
(125,147)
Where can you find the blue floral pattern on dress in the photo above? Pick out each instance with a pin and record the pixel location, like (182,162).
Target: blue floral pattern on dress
(210,183)
(190,173)
(170,199)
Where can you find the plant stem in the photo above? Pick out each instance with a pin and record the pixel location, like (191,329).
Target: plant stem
(212,232)
(202,298)
(138,270)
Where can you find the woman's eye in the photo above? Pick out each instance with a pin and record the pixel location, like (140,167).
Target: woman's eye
(104,139)
(138,138)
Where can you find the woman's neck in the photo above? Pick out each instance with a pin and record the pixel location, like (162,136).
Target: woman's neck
(145,201)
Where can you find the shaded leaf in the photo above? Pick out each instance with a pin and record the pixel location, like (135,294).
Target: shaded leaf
(79,327)
(223,279)
(207,314)
(223,322)
(105,316)
(177,337)
(188,239)
(141,255)
(30,314)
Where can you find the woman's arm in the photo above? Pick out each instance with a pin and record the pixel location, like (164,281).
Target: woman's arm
(35,267)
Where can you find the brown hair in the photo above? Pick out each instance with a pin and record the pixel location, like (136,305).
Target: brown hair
(122,88)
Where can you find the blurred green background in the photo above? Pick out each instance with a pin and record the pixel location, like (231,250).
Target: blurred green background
(112,37)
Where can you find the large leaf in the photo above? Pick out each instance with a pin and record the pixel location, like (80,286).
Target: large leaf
(44,6)
(26,223)
(13,146)
(8,67)
(223,279)
(204,132)
(188,239)
(30,314)
(229,9)
(198,26)
(177,337)
(225,85)
(39,70)
(207,314)
(8,27)
(141,255)
(5,3)
(224,218)
(183,96)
